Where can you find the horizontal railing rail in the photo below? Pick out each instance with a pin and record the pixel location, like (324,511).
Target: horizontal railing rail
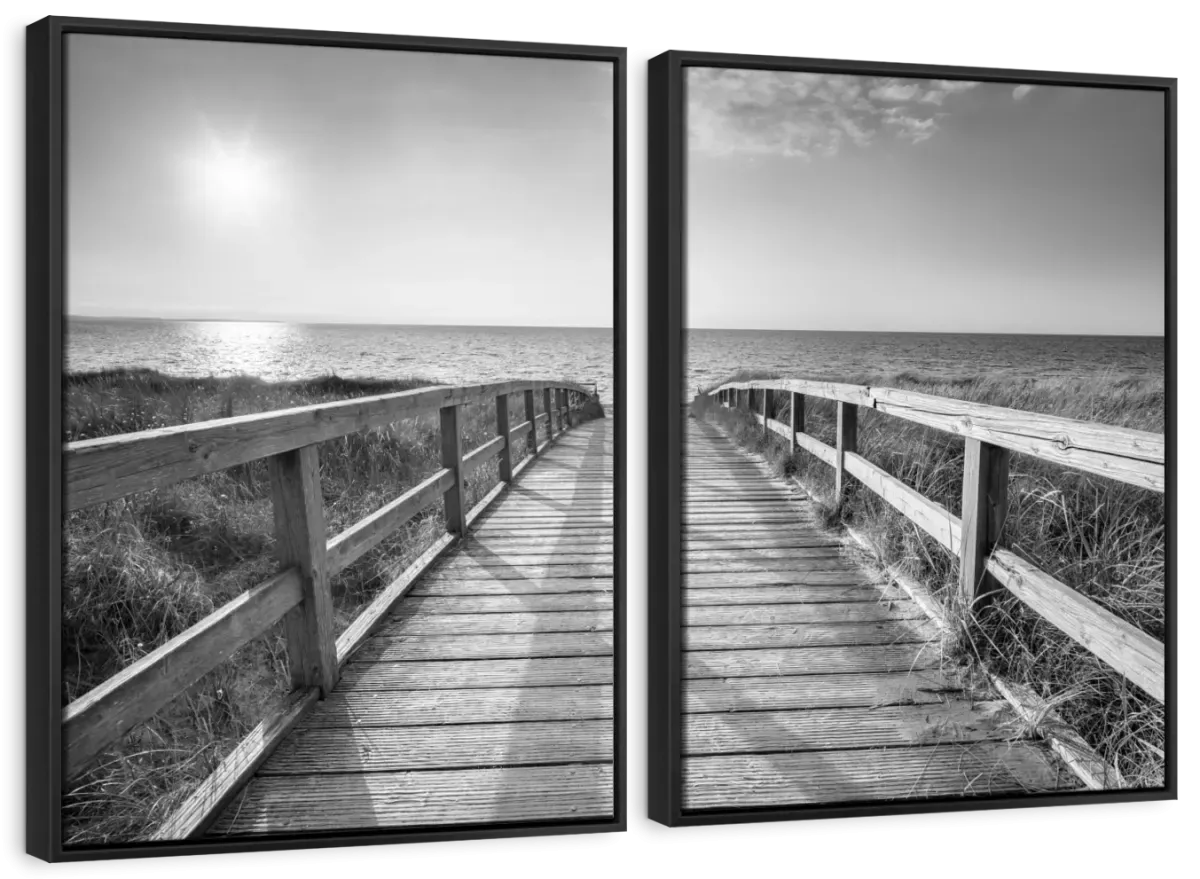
(112,467)
(990,433)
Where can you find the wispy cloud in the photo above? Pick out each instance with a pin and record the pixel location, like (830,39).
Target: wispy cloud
(1021,91)
(802,115)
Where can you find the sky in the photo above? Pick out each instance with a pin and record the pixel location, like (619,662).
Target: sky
(220,180)
(823,202)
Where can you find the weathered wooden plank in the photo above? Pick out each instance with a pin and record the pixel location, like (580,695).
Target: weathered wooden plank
(204,804)
(474,559)
(793,614)
(392,749)
(847,442)
(931,517)
(494,586)
(418,621)
(134,694)
(374,613)
(484,453)
(865,690)
(397,649)
(860,395)
(984,508)
(1132,456)
(808,660)
(1121,645)
(724,579)
(372,708)
(773,731)
(503,430)
(826,562)
(789,595)
(111,467)
(472,568)
(500,604)
(369,532)
(814,549)
(476,674)
(453,497)
(316,803)
(976,769)
(809,635)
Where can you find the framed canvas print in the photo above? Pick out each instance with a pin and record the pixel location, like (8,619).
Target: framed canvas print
(912,438)
(324,427)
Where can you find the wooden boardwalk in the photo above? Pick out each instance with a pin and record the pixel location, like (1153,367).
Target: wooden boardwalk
(487,696)
(808,681)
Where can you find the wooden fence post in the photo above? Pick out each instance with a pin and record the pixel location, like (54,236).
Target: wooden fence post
(847,441)
(563,421)
(530,416)
(454,497)
(797,419)
(300,543)
(502,430)
(768,399)
(984,506)
(549,409)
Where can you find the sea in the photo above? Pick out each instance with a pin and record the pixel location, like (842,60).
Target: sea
(287,351)
(470,355)
(713,355)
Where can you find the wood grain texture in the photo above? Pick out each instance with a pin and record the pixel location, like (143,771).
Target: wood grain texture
(103,715)
(369,532)
(1120,453)
(204,804)
(111,467)
(984,508)
(804,680)
(300,543)
(453,498)
(489,660)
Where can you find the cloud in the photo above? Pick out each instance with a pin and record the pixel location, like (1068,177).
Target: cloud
(1021,91)
(807,115)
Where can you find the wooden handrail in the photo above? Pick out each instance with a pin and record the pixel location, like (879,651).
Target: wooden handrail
(107,468)
(1133,456)
(111,467)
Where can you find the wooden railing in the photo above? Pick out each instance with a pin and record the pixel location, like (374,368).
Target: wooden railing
(991,433)
(105,469)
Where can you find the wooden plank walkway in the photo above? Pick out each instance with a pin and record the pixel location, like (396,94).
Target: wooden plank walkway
(487,697)
(805,679)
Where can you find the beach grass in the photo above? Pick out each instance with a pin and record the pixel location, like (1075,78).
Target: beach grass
(1104,538)
(140,570)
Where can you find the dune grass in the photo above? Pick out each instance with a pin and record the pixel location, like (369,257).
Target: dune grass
(1105,539)
(140,570)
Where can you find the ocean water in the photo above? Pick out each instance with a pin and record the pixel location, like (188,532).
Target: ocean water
(712,355)
(283,352)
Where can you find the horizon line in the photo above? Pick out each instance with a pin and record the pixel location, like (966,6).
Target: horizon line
(1161,335)
(326,323)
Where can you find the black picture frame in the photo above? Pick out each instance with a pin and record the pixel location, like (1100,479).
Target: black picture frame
(667,304)
(45,211)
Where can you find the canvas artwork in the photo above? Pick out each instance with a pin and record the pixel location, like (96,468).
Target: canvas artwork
(339,395)
(923,481)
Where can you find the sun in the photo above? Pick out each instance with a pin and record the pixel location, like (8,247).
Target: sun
(232,182)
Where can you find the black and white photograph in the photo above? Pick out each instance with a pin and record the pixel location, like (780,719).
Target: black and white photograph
(923,474)
(339,394)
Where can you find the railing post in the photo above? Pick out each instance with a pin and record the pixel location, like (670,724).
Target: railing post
(502,430)
(454,496)
(531,417)
(548,407)
(300,543)
(767,400)
(984,506)
(797,419)
(563,421)
(847,441)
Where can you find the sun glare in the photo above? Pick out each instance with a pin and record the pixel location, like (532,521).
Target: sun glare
(232,182)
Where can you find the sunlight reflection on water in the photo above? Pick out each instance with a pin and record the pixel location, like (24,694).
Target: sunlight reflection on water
(283,352)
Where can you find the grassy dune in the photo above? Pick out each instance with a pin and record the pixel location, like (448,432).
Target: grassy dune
(142,569)
(1104,538)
